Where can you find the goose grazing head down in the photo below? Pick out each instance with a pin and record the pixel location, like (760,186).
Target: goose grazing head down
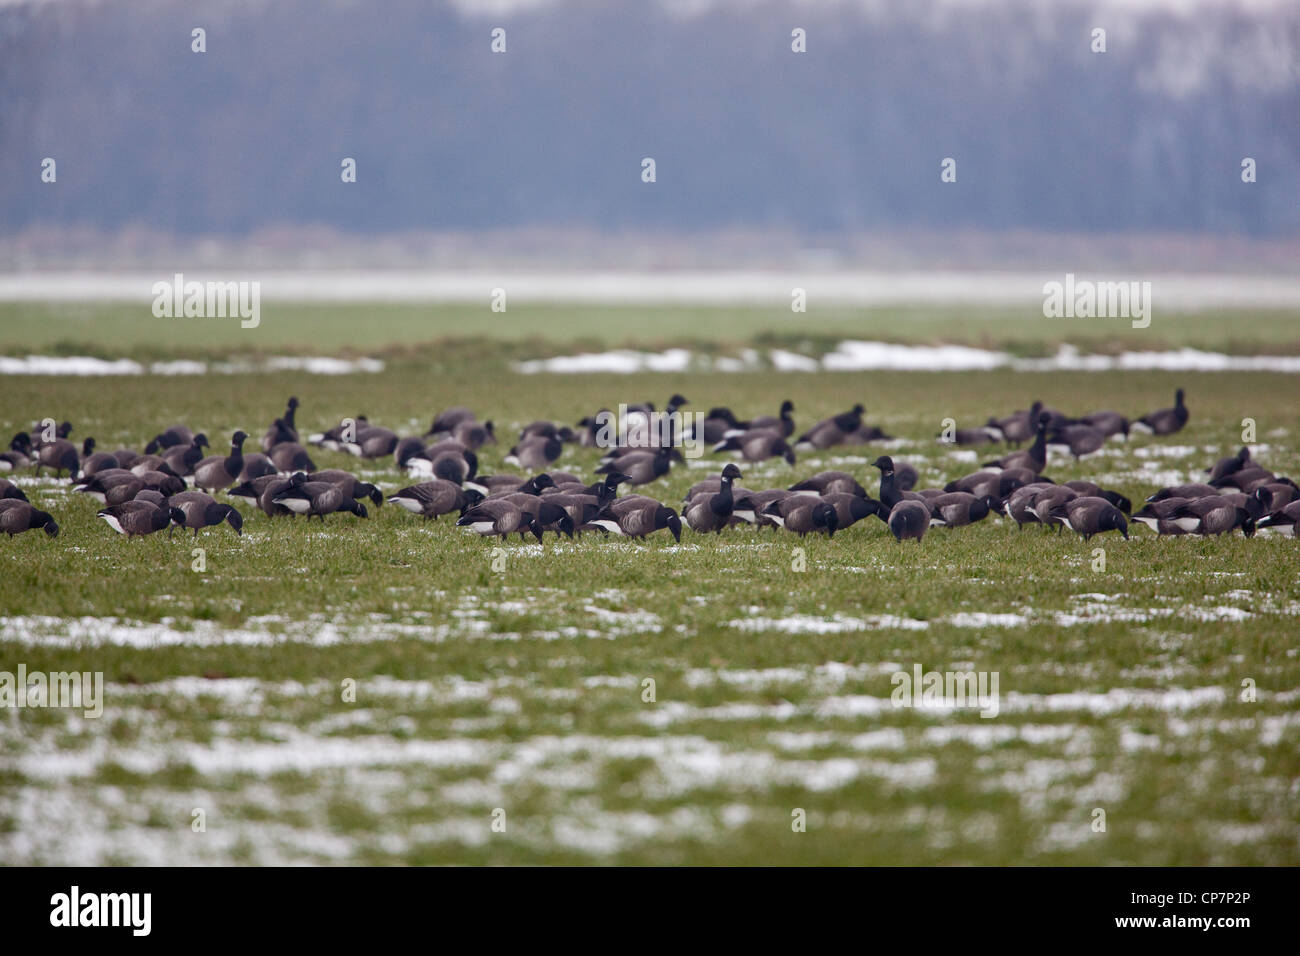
(665,517)
(825,516)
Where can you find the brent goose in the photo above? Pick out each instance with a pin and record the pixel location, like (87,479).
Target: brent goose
(406,449)
(1166,421)
(535,452)
(636,516)
(491,484)
(712,512)
(1091,488)
(496,516)
(352,486)
(717,424)
(850,508)
(448,419)
(1079,440)
(986,434)
(289,457)
(1020,503)
(181,459)
(583,506)
(804,514)
(1246,479)
(19,454)
(270,487)
(17,516)
(474,435)
(1018,426)
(217,471)
(551,516)
(134,518)
(371,441)
(1000,484)
(1288,517)
(257,465)
(751,506)
(543,429)
(449,460)
(833,430)
(1276,495)
(9,490)
(758,444)
(909,519)
(277,434)
(96,461)
(333,439)
(1194,490)
(1107,422)
(201,511)
(282,429)
(1089,515)
(1230,465)
(250,489)
(890,493)
(595,429)
(1168,516)
(957,508)
(783,423)
(176,435)
(1218,515)
(430,499)
(1035,458)
(1047,501)
(641,467)
(115,486)
(318,498)
(826,482)
(61,455)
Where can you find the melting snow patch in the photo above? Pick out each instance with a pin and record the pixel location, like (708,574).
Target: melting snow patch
(622,361)
(834,624)
(84,365)
(853,355)
(857,356)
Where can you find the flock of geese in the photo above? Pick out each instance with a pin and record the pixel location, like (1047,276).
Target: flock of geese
(172,482)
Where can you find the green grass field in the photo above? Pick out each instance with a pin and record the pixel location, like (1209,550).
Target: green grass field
(382,329)
(520,690)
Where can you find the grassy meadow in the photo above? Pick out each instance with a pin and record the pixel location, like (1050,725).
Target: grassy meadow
(500,712)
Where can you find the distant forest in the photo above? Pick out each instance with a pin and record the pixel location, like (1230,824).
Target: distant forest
(447,134)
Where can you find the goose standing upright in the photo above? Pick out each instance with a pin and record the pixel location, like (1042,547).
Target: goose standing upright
(712,512)
(283,428)
(784,422)
(217,471)
(890,493)
(1166,421)
(1035,458)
